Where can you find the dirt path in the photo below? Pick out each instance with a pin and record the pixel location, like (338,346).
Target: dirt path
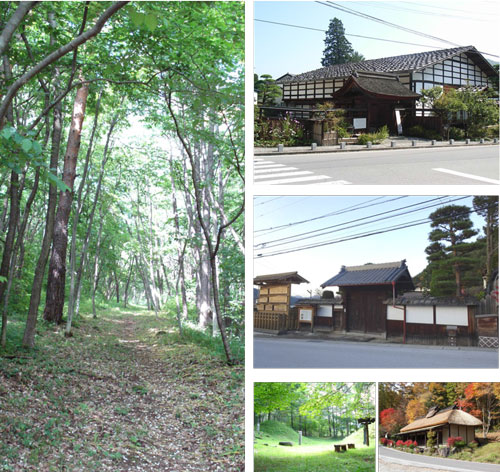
(117,396)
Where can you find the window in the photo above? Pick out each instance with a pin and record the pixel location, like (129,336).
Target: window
(417,76)
(428,77)
(438,67)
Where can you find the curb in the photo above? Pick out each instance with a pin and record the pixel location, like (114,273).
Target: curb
(319,150)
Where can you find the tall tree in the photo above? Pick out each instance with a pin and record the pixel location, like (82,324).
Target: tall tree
(487,207)
(338,50)
(54,302)
(452,230)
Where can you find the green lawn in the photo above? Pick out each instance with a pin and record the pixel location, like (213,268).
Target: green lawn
(314,455)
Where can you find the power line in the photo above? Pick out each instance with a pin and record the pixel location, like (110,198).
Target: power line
(423,12)
(333,213)
(307,235)
(365,234)
(392,25)
(347,34)
(453,9)
(384,22)
(268,201)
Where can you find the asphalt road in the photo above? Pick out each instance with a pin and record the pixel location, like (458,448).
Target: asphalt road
(431,464)
(280,352)
(478,165)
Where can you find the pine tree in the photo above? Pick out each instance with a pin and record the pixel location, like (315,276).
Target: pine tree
(450,249)
(338,49)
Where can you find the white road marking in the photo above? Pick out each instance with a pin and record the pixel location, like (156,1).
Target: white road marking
(468,176)
(268,171)
(284,174)
(336,182)
(298,179)
(268,166)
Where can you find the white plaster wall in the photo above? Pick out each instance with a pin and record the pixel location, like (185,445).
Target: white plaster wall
(324,310)
(395,313)
(419,314)
(451,315)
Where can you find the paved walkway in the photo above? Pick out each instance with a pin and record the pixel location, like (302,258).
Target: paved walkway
(391,460)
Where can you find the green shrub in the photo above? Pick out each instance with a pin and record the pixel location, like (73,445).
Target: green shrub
(456,133)
(492,131)
(287,131)
(418,131)
(375,138)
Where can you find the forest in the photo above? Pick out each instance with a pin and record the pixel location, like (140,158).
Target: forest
(309,425)
(121,235)
(403,403)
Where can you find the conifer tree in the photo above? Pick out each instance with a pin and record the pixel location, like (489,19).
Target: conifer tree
(338,50)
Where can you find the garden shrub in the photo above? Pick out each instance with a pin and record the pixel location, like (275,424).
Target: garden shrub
(456,441)
(473,444)
(431,439)
(287,131)
(492,131)
(418,131)
(375,138)
(400,443)
(456,133)
(384,441)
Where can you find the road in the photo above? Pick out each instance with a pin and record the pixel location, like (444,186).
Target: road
(280,352)
(476,165)
(391,460)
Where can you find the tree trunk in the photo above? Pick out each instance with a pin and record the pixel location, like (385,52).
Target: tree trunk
(54,303)
(36,288)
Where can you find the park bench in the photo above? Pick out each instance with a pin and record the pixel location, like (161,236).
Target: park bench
(343,447)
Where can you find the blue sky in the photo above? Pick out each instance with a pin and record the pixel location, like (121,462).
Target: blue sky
(281,49)
(319,264)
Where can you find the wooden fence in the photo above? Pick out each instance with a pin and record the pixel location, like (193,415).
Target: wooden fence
(274,321)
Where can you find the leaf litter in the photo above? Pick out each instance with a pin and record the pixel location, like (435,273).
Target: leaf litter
(118,399)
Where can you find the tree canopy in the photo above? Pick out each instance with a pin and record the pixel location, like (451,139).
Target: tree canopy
(338,50)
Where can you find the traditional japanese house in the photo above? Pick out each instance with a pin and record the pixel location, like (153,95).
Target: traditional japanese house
(273,304)
(320,314)
(364,290)
(446,423)
(379,91)
(420,318)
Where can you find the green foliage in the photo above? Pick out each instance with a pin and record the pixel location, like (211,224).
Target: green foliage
(431,439)
(268,90)
(271,132)
(374,138)
(338,50)
(449,251)
(418,131)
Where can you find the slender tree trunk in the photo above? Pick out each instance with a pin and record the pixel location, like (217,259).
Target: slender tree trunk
(127,285)
(15,197)
(95,271)
(54,302)
(36,289)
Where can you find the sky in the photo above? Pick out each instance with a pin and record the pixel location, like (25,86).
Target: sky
(281,49)
(319,264)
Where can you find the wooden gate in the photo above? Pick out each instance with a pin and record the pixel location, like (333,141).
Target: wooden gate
(366,311)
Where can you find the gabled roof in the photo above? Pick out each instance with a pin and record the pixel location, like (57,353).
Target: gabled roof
(441,417)
(377,85)
(371,274)
(284,277)
(407,62)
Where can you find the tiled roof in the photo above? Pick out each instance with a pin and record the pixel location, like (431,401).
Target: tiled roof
(284,277)
(370,274)
(377,84)
(425,300)
(393,64)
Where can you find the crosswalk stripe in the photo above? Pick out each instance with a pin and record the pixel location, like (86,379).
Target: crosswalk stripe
(267,166)
(297,179)
(264,171)
(284,174)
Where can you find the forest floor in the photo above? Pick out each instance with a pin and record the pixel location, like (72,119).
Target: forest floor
(124,393)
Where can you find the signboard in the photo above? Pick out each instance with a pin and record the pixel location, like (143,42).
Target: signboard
(305,315)
(359,123)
